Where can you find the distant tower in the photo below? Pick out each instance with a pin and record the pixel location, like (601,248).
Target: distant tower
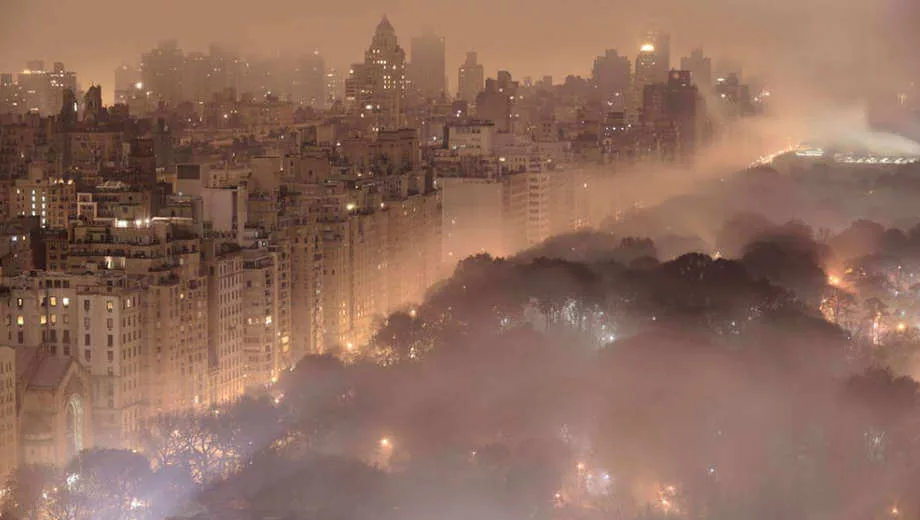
(377,87)
(661,41)
(309,86)
(700,68)
(92,105)
(162,70)
(428,65)
(127,81)
(611,77)
(646,75)
(471,79)
(68,114)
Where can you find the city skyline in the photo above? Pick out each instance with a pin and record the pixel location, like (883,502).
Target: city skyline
(580,33)
(490,259)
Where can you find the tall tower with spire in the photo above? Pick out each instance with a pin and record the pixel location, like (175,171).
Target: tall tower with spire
(377,87)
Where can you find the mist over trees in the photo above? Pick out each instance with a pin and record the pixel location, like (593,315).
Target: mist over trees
(594,376)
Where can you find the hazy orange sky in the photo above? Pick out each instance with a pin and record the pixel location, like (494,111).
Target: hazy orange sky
(824,43)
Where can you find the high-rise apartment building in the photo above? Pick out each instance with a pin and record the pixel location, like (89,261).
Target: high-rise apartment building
(266,314)
(96,320)
(53,201)
(470,79)
(224,267)
(301,243)
(110,344)
(167,256)
(42,90)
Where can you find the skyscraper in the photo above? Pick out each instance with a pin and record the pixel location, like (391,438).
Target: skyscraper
(42,89)
(700,68)
(497,101)
(471,79)
(661,41)
(162,70)
(309,82)
(93,111)
(670,113)
(333,85)
(427,66)
(377,87)
(611,76)
(127,79)
(197,77)
(646,74)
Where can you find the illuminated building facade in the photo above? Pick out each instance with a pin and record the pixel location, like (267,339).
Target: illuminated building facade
(95,320)
(377,87)
(226,362)
(266,314)
(53,201)
(42,89)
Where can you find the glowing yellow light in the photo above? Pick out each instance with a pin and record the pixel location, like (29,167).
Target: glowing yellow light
(902,327)
(139,85)
(385,442)
(413,313)
(648,47)
(581,466)
(833,280)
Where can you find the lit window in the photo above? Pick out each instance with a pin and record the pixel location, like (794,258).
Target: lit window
(54,319)
(20,321)
(19,302)
(43,319)
(54,301)
(65,301)
(109,305)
